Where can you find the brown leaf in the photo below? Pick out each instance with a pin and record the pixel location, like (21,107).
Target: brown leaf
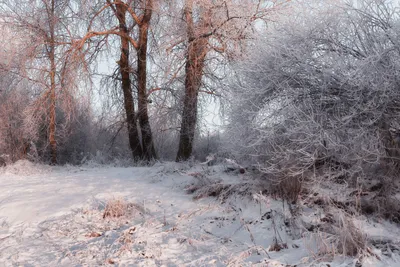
(93,234)
(110,261)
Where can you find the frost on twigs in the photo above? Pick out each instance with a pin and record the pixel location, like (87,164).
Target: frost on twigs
(26,167)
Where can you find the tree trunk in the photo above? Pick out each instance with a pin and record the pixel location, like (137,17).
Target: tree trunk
(134,141)
(52,104)
(390,144)
(147,138)
(52,123)
(195,58)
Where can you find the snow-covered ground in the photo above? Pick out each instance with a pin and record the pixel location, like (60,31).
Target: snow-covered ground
(55,216)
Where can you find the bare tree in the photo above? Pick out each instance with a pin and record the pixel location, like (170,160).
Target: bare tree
(147,138)
(140,14)
(47,62)
(213,28)
(125,68)
(195,58)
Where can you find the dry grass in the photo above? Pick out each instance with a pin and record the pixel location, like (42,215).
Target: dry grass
(115,208)
(118,207)
(285,187)
(351,241)
(340,237)
(276,246)
(206,187)
(201,181)
(240,259)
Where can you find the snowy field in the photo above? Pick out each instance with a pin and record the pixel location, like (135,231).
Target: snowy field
(144,216)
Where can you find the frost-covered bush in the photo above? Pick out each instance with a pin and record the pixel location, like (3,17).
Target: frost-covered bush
(14,97)
(322,91)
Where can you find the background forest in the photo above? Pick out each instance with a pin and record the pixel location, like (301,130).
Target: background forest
(298,85)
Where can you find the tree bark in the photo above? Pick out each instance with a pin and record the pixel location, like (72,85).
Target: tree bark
(134,141)
(147,138)
(52,115)
(195,58)
(52,102)
(390,144)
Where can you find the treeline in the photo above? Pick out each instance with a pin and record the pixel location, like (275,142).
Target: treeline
(168,55)
(303,85)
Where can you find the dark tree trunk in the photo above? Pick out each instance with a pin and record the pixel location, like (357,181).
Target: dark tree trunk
(52,104)
(195,58)
(390,143)
(52,123)
(134,141)
(147,138)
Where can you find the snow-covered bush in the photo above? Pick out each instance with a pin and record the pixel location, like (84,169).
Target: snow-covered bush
(319,95)
(14,132)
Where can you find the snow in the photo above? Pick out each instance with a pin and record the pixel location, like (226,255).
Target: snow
(53,216)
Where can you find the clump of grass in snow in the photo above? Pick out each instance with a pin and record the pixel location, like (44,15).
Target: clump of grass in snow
(351,241)
(115,208)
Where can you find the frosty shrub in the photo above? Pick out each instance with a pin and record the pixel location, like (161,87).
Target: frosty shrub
(319,96)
